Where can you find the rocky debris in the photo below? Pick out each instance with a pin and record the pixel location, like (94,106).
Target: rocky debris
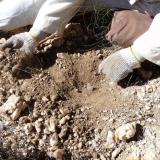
(28,128)
(110,140)
(90,87)
(54,140)
(58,154)
(125,132)
(38,125)
(64,120)
(115,153)
(52,124)
(14,106)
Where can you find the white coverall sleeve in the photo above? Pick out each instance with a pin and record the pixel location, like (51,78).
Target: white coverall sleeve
(54,15)
(148,45)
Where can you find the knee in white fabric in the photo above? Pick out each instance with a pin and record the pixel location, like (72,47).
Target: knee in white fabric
(18,13)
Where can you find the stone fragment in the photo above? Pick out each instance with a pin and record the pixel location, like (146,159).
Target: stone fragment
(28,128)
(38,125)
(90,87)
(14,106)
(115,153)
(63,132)
(52,124)
(125,132)
(64,120)
(58,154)
(54,140)
(45,99)
(110,140)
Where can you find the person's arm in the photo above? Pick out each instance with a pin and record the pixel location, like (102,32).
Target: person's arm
(147,47)
(51,19)
(54,16)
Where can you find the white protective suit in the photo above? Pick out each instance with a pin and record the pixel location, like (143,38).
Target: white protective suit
(51,16)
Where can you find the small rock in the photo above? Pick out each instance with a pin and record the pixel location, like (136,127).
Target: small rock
(1,55)
(148,107)
(41,142)
(115,153)
(90,87)
(125,132)
(38,125)
(24,119)
(102,157)
(52,124)
(1,126)
(54,140)
(63,132)
(2,98)
(14,106)
(110,140)
(64,120)
(64,111)
(54,97)
(80,145)
(58,154)
(45,99)
(60,55)
(135,155)
(28,128)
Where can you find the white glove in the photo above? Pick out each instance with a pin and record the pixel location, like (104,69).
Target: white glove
(23,41)
(118,65)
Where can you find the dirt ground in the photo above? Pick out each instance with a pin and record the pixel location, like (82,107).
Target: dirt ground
(70,108)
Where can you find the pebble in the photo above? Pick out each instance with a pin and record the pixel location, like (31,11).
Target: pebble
(1,126)
(60,55)
(1,55)
(52,124)
(2,98)
(64,111)
(58,154)
(90,87)
(38,125)
(115,153)
(63,132)
(110,140)
(24,119)
(125,132)
(54,97)
(45,99)
(14,106)
(102,157)
(54,140)
(28,128)
(80,145)
(64,120)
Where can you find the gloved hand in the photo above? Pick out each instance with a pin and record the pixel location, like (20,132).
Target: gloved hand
(23,41)
(118,65)
(127,26)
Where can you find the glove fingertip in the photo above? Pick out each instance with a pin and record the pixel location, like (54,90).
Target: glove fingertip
(6,45)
